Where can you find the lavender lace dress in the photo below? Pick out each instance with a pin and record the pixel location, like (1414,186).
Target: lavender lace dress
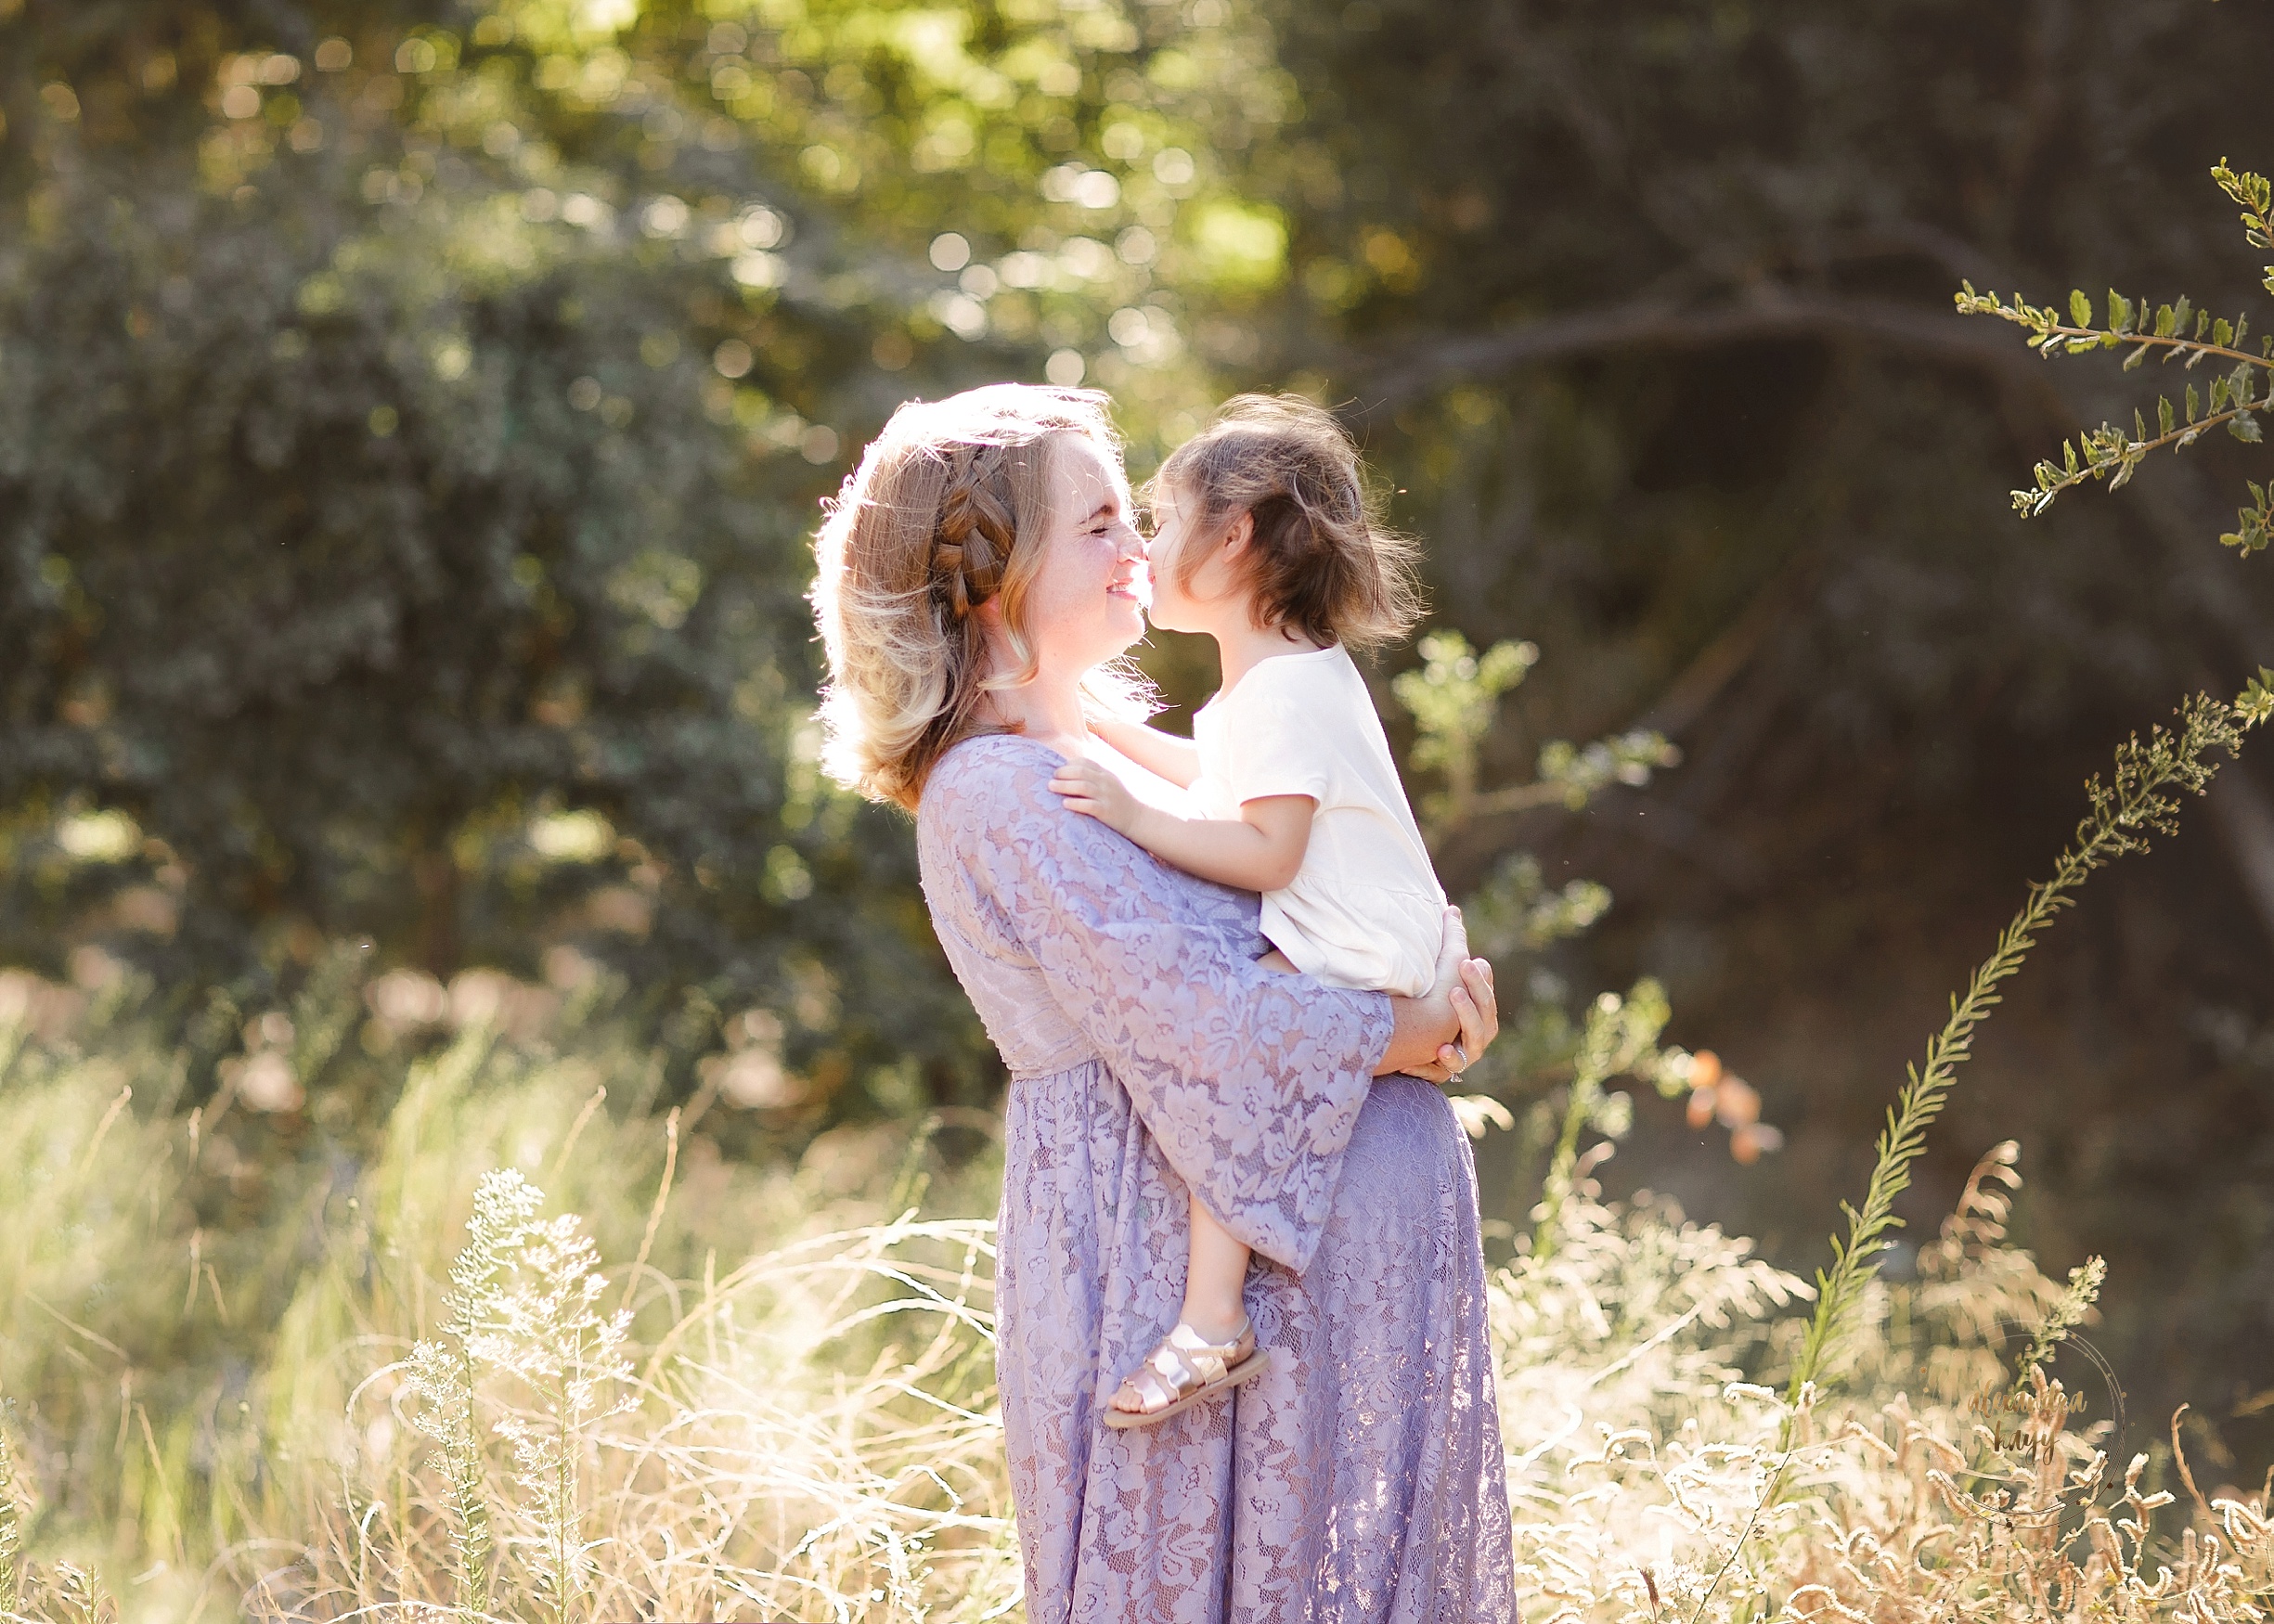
(1359,1479)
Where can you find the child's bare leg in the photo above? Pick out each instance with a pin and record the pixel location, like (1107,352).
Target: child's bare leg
(1214,1278)
(1214,1274)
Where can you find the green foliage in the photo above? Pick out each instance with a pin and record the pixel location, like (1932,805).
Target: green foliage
(410,426)
(2256,195)
(1454,698)
(1516,911)
(2233,401)
(2256,703)
(1620,1037)
(2141,798)
(2075,1302)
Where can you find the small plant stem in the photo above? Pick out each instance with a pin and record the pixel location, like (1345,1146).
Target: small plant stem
(1620,1034)
(462,1460)
(1515,798)
(2117,825)
(1555,1188)
(11,1532)
(1770,1494)
(2136,449)
(2169,342)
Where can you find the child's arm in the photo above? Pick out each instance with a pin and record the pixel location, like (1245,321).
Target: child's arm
(1164,755)
(1260,851)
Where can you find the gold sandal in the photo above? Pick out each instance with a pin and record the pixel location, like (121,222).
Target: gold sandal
(1183,1371)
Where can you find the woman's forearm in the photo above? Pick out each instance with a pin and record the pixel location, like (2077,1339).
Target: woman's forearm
(1423,1026)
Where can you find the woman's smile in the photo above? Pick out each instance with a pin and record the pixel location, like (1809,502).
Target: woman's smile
(1131,585)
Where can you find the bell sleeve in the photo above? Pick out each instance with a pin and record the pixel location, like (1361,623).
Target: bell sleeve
(1249,1081)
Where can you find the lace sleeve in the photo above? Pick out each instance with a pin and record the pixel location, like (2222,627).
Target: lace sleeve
(1249,1081)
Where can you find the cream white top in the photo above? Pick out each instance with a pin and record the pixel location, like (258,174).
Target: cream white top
(1365,910)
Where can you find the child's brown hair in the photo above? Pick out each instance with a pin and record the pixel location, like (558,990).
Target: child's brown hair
(1320,561)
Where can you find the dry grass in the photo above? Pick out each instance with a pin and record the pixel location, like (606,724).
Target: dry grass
(418,1388)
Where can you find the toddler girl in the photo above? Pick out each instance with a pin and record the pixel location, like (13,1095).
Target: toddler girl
(1263,539)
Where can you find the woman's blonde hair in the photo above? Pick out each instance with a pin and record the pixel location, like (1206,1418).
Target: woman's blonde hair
(949,509)
(1321,559)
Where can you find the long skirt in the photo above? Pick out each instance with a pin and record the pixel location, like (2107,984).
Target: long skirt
(1359,1479)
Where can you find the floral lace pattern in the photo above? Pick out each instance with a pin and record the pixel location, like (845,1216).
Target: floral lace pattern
(1359,1479)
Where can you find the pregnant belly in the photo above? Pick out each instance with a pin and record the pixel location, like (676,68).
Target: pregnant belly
(1408,1165)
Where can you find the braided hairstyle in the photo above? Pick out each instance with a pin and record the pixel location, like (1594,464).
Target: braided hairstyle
(976,531)
(1320,561)
(948,510)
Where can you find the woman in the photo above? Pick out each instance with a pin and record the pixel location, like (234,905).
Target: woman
(978,576)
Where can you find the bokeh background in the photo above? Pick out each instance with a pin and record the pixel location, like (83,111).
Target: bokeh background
(413,417)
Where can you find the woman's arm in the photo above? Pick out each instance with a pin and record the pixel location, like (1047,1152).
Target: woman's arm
(1164,754)
(1248,1081)
(1259,851)
(1437,1036)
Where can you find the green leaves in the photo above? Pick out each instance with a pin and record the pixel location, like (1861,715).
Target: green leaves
(1621,1035)
(2256,703)
(1454,699)
(2141,796)
(2253,192)
(2108,452)
(2255,524)
(2066,1314)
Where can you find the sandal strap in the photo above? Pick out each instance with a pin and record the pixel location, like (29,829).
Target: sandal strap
(1185,1361)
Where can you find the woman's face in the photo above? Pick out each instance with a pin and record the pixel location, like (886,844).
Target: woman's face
(1086,603)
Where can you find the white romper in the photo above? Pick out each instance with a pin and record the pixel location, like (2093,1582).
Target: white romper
(1365,910)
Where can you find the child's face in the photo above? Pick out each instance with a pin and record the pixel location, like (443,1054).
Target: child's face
(1193,582)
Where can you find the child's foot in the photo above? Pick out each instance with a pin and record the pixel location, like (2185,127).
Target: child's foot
(1184,1369)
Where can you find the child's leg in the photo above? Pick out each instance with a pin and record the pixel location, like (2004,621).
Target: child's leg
(1213,1280)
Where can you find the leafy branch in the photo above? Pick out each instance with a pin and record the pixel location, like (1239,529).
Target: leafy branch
(2065,1316)
(1620,1036)
(2140,799)
(2180,331)
(1454,699)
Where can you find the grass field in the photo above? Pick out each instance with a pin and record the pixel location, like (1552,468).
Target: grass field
(516,1351)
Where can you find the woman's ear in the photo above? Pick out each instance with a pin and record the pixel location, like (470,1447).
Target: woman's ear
(1242,532)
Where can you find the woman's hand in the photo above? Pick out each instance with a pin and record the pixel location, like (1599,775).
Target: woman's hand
(1463,1003)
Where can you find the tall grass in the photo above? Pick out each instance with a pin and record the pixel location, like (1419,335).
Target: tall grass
(262,1370)
(210,1330)
(449,1414)
(2140,799)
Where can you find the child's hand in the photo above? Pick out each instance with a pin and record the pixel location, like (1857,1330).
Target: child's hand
(1096,792)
